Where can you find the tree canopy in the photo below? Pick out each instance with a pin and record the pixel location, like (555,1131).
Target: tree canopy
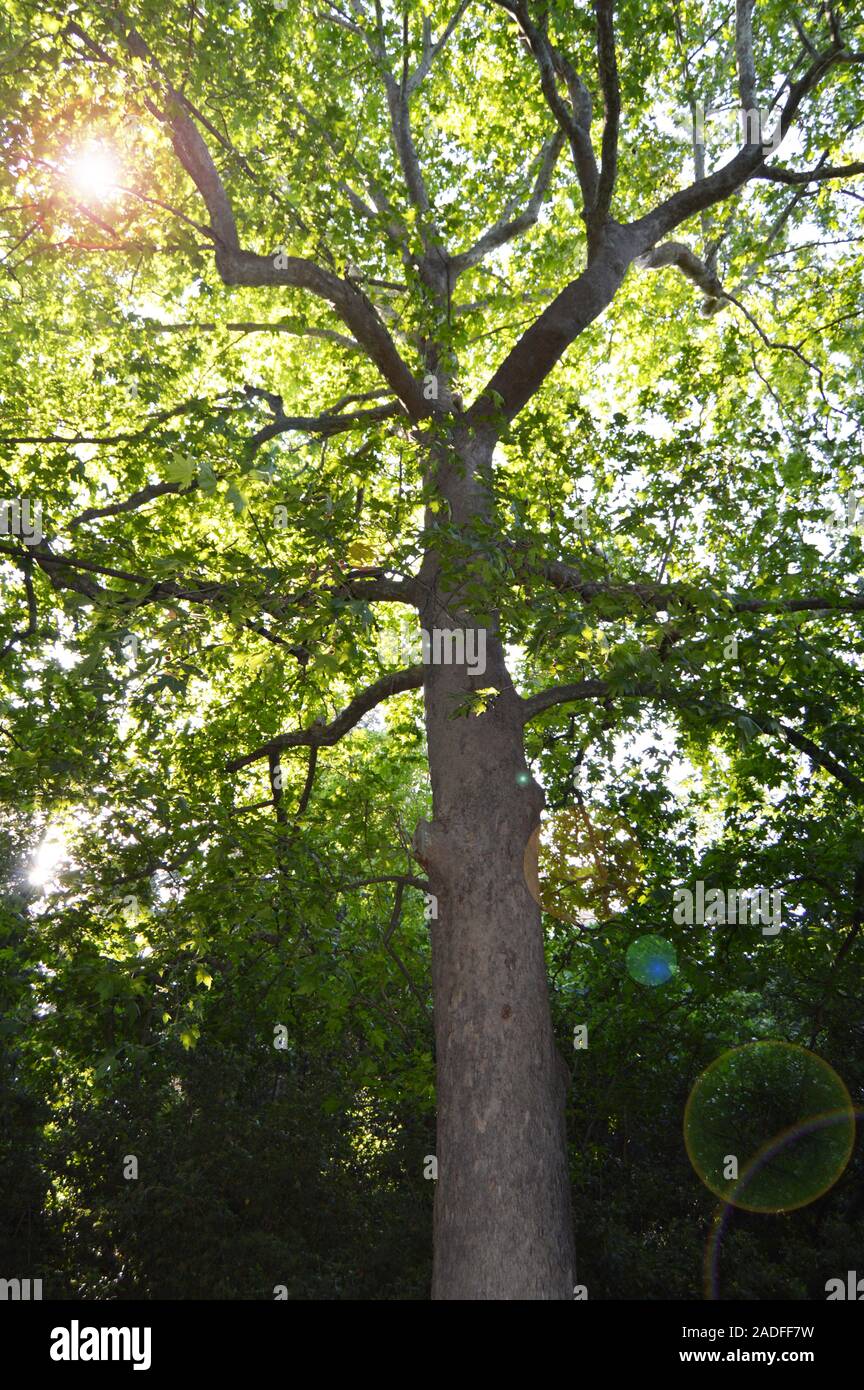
(260,262)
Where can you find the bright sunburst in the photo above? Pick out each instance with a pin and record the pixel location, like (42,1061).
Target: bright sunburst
(93,173)
(48,858)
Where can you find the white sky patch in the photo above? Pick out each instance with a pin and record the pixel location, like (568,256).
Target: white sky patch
(681,773)
(166,887)
(373,720)
(126,726)
(65,658)
(84,452)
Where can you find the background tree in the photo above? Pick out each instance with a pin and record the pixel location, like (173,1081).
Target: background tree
(285,363)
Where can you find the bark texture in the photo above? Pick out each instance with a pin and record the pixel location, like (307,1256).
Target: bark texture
(502,1210)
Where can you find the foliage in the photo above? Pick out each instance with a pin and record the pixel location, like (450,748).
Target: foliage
(692,470)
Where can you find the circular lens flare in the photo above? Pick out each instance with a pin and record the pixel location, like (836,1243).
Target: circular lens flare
(582,864)
(722,1220)
(769,1127)
(651,960)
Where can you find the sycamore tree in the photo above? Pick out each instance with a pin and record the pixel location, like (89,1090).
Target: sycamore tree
(506,354)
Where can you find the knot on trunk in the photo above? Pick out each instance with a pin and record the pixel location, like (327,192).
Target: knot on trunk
(430,845)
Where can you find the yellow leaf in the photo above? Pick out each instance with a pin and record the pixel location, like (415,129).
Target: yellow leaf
(359,554)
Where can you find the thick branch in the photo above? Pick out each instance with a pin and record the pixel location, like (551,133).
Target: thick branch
(349,301)
(195,157)
(321,735)
(822,759)
(403,139)
(817,175)
(576,122)
(72,572)
(598,689)
(239,267)
(660,597)
(677,254)
(744,55)
(325,425)
(743,166)
(541,346)
(607,64)
(563,695)
(535,354)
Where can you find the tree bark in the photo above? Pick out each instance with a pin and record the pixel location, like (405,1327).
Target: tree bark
(502,1208)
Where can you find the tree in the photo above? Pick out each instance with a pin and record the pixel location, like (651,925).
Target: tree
(433,341)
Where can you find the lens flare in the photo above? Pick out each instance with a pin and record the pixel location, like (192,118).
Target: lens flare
(722,1221)
(651,960)
(769,1127)
(93,173)
(48,859)
(582,864)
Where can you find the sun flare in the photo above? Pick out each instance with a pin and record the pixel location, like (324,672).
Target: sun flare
(93,173)
(48,858)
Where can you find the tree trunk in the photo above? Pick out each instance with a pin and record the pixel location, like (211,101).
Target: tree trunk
(502,1207)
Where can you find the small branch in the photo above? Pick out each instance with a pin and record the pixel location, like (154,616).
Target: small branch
(774,231)
(780,347)
(131,503)
(802,32)
(511,225)
(24,634)
(123,438)
(420,883)
(387,943)
(431,50)
(307,785)
(394,227)
(328,335)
